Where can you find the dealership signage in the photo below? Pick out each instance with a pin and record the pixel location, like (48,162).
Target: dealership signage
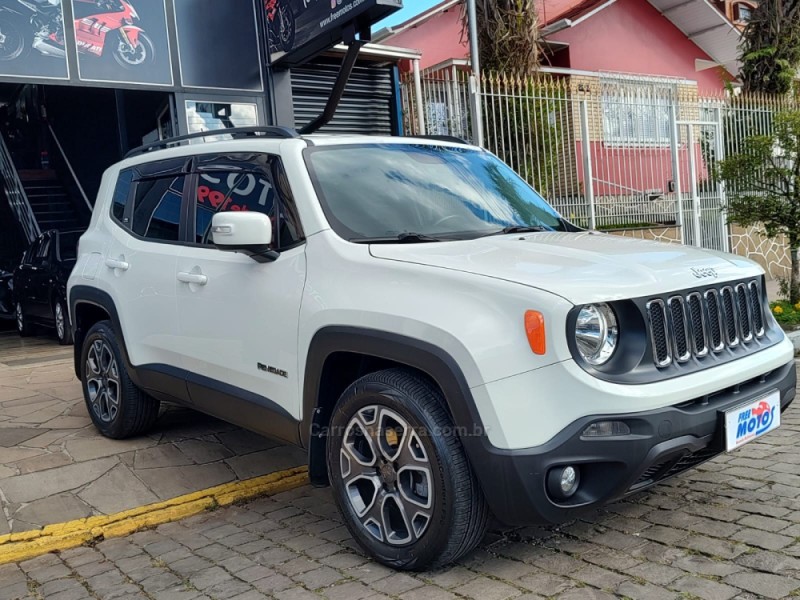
(300,29)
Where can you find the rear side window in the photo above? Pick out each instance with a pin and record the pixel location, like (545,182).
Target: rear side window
(157,208)
(122,192)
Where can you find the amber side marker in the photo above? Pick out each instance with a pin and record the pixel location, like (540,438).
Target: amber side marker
(15,547)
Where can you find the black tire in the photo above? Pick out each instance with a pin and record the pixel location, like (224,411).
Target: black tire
(121,414)
(457,515)
(62,323)
(146,56)
(17,38)
(24,327)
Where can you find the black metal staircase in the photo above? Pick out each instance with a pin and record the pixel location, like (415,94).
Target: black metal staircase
(52,205)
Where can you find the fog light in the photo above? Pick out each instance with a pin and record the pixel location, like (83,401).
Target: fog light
(606,428)
(563,482)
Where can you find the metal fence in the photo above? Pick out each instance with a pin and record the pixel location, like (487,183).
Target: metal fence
(609,152)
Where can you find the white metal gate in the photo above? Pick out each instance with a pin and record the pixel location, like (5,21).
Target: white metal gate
(703,204)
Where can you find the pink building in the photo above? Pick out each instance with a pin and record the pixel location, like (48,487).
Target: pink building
(639,64)
(691,41)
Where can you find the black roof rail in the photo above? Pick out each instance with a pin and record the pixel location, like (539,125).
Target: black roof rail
(442,138)
(234,132)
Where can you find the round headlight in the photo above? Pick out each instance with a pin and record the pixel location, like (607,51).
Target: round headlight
(596,333)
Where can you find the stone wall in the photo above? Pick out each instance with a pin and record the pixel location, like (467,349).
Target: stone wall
(772,254)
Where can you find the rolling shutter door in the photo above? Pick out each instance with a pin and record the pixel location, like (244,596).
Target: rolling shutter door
(366,106)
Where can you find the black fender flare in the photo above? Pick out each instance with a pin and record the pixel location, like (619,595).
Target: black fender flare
(428,358)
(85,294)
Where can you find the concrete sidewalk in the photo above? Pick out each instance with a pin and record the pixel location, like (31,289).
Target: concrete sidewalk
(55,467)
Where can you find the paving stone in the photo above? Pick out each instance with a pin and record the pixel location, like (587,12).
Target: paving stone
(164,455)
(704,588)
(772,562)
(14,436)
(351,590)
(169,482)
(63,507)
(484,588)
(637,591)
(763,539)
(764,584)
(598,577)
(428,592)
(203,451)
(267,461)
(450,576)
(545,584)
(318,578)
(117,491)
(655,573)
(585,594)
(34,486)
(703,565)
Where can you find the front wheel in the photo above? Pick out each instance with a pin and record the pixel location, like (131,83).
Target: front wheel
(116,406)
(400,475)
(129,57)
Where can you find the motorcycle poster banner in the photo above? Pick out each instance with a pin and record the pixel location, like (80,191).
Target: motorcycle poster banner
(32,39)
(122,41)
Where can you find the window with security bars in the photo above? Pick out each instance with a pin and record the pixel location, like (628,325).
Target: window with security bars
(636,112)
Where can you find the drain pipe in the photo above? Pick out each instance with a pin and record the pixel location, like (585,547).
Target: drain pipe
(353,46)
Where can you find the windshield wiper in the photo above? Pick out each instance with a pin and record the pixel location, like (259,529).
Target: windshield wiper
(408,237)
(519,229)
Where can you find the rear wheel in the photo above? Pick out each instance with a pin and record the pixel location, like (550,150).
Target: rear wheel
(13,41)
(400,475)
(63,327)
(24,328)
(117,407)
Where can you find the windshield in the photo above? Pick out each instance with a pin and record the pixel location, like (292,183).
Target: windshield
(375,191)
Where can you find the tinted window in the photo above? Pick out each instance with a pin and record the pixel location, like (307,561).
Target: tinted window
(43,252)
(264,189)
(382,190)
(225,191)
(157,208)
(121,194)
(68,245)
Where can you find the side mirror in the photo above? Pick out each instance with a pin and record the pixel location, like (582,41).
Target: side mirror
(247,232)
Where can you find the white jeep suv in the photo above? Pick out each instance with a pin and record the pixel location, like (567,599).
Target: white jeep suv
(441,341)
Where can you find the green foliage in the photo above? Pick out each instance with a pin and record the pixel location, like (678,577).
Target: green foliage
(786,314)
(770,49)
(763,181)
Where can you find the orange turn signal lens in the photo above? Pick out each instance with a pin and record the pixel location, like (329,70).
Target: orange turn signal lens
(534,329)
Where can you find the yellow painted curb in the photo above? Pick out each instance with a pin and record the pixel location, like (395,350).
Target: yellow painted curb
(62,536)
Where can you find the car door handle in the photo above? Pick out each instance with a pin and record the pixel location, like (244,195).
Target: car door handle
(113,263)
(196,278)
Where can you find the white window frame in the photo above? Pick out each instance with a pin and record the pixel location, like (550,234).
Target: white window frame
(636,111)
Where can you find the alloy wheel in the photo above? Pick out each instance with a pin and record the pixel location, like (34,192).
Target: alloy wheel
(102,381)
(132,55)
(20,318)
(387,475)
(61,327)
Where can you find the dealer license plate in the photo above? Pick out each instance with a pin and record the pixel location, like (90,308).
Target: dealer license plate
(749,421)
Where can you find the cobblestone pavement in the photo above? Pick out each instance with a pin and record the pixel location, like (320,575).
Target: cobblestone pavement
(729,529)
(55,466)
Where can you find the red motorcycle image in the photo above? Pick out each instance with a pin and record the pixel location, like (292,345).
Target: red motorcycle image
(38,24)
(280,22)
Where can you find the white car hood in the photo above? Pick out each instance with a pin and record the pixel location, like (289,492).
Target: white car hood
(581,267)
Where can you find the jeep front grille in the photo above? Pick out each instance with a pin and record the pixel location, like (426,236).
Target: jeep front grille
(695,324)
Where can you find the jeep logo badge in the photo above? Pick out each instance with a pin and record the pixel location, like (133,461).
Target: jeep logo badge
(702,272)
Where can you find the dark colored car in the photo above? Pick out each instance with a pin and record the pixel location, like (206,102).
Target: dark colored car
(40,283)
(6,293)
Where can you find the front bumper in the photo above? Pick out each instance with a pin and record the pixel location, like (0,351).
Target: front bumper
(662,443)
